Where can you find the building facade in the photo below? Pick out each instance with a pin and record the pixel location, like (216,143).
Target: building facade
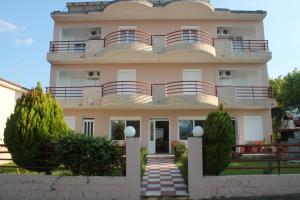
(161,67)
(9,93)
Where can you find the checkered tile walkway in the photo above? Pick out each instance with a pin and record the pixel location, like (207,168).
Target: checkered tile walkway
(163,178)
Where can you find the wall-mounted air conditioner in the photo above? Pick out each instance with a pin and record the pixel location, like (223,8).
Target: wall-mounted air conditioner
(223,32)
(95,33)
(225,74)
(93,75)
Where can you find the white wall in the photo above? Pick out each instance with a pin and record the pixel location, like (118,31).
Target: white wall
(7,104)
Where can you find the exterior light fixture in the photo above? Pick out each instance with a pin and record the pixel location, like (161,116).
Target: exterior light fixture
(198,131)
(129,131)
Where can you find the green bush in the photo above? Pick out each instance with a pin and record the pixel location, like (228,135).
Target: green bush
(218,138)
(37,120)
(179,150)
(89,156)
(143,160)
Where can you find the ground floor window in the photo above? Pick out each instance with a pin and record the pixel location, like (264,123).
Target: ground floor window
(88,126)
(118,126)
(186,128)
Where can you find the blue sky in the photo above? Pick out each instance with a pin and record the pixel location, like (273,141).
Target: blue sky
(26,29)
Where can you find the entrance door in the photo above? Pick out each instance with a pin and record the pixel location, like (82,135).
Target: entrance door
(126,87)
(159,136)
(191,75)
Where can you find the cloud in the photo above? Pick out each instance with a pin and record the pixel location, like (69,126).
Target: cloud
(6,26)
(27,41)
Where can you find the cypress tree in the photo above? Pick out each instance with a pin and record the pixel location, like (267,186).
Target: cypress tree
(37,120)
(218,138)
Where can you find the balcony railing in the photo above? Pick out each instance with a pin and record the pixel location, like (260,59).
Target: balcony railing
(66,92)
(253,92)
(67,46)
(250,45)
(191,88)
(128,36)
(189,36)
(126,88)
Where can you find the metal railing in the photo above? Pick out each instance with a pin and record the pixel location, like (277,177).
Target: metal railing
(126,87)
(189,36)
(253,92)
(66,92)
(67,46)
(190,88)
(264,157)
(251,45)
(128,36)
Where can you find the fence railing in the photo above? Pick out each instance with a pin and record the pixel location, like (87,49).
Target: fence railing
(126,87)
(47,162)
(128,36)
(264,157)
(190,88)
(251,45)
(189,36)
(67,46)
(253,92)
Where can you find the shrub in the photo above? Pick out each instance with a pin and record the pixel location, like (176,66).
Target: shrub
(179,150)
(218,138)
(143,159)
(84,155)
(37,120)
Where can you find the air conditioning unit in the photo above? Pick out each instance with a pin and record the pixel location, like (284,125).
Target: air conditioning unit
(93,75)
(95,33)
(225,74)
(223,32)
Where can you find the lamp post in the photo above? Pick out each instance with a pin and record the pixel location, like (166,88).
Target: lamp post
(198,131)
(130,131)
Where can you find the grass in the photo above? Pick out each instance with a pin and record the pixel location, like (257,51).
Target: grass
(14,170)
(295,170)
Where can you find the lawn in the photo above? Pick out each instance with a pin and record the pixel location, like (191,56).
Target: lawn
(14,170)
(261,171)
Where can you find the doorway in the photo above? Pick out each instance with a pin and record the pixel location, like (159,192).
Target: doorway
(159,136)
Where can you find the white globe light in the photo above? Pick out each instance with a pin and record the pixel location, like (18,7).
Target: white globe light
(198,131)
(129,131)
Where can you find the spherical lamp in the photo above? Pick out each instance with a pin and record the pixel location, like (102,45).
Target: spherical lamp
(129,131)
(198,131)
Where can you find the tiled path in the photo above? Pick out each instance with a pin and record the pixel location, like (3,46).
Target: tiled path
(163,178)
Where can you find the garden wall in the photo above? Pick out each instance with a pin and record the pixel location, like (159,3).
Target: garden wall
(234,186)
(33,187)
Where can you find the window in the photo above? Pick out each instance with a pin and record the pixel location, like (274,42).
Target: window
(186,128)
(127,36)
(190,36)
(88,126)
(118,126)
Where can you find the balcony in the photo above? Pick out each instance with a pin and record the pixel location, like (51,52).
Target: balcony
(76,97)
(192,43)
(126,93)
(67,50)
(246,96)
(127,44)
(191,93)
(249,51)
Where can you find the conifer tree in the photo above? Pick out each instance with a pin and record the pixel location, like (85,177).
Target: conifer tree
(37,120)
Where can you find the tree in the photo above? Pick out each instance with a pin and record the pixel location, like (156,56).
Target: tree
(218,138)
(276,85)
(37,120)
(290,91)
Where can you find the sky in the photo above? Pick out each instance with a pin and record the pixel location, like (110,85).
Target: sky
(26,29)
